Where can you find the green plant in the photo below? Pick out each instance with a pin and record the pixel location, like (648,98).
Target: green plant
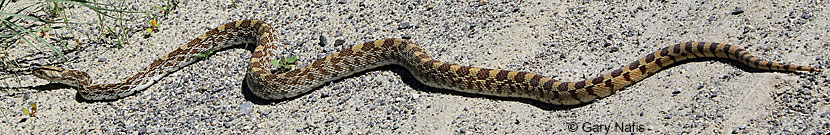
(25,25)
(205,54)
(34,34)
(28,35)
(169,6)
(233,3)
(31,110)
(284,63)
(165,10)
(152,27)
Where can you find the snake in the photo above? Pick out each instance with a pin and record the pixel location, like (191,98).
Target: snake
(269,85)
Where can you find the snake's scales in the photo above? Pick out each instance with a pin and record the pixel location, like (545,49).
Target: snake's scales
(400,52)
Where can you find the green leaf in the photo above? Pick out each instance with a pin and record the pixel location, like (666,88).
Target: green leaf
(291,60)
(275,63)
(24,17)
(205,54)
(149,30)
(282,60)
(34,107)
(26,111)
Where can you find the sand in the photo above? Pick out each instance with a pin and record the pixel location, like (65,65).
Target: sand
(570,40)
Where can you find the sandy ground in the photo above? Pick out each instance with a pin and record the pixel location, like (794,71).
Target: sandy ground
(570,40)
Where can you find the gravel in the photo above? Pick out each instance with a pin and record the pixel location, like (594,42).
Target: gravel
(570,40)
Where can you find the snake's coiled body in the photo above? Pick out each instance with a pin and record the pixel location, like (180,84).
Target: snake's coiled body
(402,52)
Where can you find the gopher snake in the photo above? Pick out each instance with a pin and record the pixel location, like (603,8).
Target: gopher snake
(401,52)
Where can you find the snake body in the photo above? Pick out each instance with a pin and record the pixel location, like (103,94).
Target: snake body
(504,83)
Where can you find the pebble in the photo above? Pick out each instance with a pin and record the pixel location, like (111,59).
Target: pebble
(343,99)
(712,18)
(806,16)
(142,130)
(245,108)
(676,91)
(740,129)
(368,39)
(266,111)
(825,115)
(713,93)
(323,41)
(613,49)
(737,11)
(404,25)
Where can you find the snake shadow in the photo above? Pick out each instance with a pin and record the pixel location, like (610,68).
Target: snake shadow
(45,87)
(410,80)
(54,86)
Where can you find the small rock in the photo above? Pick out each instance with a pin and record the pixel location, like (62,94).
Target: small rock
(806,16)
(245,108)
(266,112)
(667,116)
(343,100)
(712,18)
(740,129)
(737,11)
(339,42)
(369,37)
(142,130)
(713,93)
(404,25)
(613,49)
(323,40)
(407,36)
(676,91)
(825,114)
(341,2)
(102,59)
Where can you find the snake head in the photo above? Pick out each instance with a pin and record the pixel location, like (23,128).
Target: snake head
(63,76)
